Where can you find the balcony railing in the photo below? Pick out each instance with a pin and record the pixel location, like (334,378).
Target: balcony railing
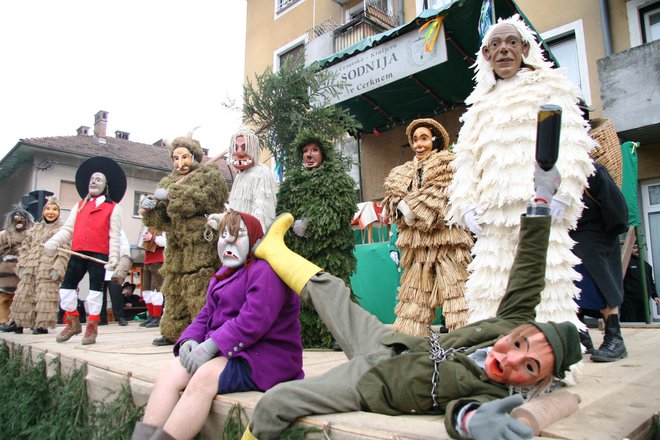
(373,19)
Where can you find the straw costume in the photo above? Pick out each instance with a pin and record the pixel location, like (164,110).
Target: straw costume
(17,223)
(493,180)
(434,256)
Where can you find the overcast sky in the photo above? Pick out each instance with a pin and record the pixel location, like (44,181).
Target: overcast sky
(159,67)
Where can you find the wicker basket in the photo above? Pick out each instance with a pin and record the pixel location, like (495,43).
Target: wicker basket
(608,151)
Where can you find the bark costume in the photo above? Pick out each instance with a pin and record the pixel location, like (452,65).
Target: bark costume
(326,197)
(434,256)
(36,300)
(190,260)
(254,189)
(494,166)
(11,239)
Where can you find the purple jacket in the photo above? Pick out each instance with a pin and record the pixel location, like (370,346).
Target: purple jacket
(254,316)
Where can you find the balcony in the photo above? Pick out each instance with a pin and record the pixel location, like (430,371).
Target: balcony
(373,19)
(629,82)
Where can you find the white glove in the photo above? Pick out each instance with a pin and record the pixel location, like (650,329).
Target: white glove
(408,216)
(21,272)
(148,203)
(557,208)
(546,182)
(50,247)
(54,275)
(300,227)
(184,351)
(394,256)
(213,220)
(111,264)
(470,219)
(491,420)
(161,194)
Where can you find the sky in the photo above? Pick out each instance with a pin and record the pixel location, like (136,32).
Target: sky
(158,67)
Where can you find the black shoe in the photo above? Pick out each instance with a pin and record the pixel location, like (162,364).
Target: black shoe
(102,322)
(122,322)
(147,321)
(162,341)
(612,349)
(18,330)
(336,346)
(10,327)
(40,331)
(153,323)
(585,340)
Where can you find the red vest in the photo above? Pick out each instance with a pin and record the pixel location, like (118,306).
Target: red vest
(91,231)
(155,256)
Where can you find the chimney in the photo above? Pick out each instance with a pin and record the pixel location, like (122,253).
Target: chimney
(83,130)
(122,135)
(100,123)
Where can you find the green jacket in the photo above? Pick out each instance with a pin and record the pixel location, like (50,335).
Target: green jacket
(402,384)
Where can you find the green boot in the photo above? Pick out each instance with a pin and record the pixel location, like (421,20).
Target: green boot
(293,269)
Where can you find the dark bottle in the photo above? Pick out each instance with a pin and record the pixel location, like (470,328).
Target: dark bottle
(548,128)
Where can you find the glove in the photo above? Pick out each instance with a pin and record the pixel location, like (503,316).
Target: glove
(148,203)
(184,351)
(408,215)
(300,227)
(491,420)
(54,275)
(557,208)
(394,256)
(470,219)
(546,182)
(201,354)
(21,272)
(50,247)
(161,194)
(111,264)
(213,220)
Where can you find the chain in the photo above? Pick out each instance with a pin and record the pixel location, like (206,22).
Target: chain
(438,354)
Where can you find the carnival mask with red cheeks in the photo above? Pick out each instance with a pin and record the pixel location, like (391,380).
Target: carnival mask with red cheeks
(312,156)
(522,360)
(51,213)
(422,142)
(182,160)
(240,159)
(233,251)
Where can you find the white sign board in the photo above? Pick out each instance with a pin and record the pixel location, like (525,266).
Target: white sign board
(386,63)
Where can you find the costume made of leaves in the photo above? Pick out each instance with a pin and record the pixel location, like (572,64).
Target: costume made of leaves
(325,195)
(190,260)
(36,301)
(494,173)
(434,256)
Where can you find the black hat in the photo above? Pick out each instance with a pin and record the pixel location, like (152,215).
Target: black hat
(114,174)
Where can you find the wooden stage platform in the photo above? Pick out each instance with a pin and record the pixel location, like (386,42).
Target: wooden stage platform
(619,400)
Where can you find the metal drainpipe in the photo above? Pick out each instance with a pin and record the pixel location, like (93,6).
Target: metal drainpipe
(605,25)
(400,6)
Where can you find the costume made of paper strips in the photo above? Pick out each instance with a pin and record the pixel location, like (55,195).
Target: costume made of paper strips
(11,239)
(434,256)
(190,260)
(494,167)
(36,301)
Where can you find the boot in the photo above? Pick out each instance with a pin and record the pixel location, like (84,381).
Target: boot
(247,435)
(160,434)
(587,343)
(144,323)
(293,269)
(90,333)
(153,322)
(72,328)
(612,348)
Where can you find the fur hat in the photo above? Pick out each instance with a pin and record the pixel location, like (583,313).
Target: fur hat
(9,218)
(191,144)
(565,342)
(114,175)
(436,128)
(252,147)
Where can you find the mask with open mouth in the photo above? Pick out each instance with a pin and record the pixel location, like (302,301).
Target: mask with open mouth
(233,250)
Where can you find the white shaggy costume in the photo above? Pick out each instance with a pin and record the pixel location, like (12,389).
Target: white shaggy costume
(254,190)
(494,168)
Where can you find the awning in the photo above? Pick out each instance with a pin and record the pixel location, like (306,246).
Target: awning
(425,93)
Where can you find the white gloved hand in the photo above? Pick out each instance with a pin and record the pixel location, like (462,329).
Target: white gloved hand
(54,275)
(161,194)
(213,220)
(300,227)
(546,183)
(148,203)
(394,256)
(50,247)
(21,272)
(557,208)
(408,215)
(470,219)
(111,264)
(184,351)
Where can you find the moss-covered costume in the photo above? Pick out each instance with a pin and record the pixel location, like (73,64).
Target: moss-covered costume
(36,301)
(190,260)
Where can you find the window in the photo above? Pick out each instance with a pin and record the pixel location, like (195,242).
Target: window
(421,5)
(567,45)
(68,195)
(650,217)
(292,52)
(643,21)
(137,199)
(283,6)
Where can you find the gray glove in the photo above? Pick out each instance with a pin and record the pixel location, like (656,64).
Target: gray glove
(54,275)
(201,354)
(491,420)
(111,264)
(50,247)
(546,182)
(161,194)
(184,351)
(300,227)
(148,203)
